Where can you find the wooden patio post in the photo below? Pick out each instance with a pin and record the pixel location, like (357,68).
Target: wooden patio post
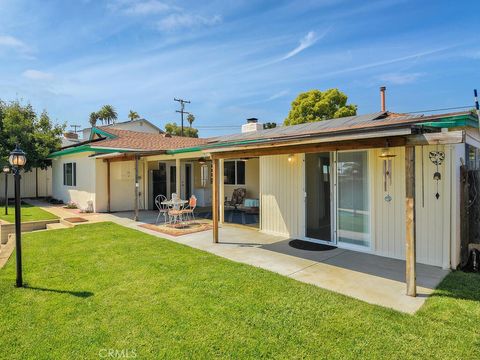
(221,190)
(108,185)
(215,183)
(137,185)
(410,254)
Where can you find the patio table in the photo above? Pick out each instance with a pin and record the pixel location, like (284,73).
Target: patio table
(174,202)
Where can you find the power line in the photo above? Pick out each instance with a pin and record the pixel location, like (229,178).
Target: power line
(182,109)
(443,109)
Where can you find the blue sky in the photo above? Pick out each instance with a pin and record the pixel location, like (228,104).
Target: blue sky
(235,59)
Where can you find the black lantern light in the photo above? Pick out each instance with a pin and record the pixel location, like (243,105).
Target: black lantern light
(17,160)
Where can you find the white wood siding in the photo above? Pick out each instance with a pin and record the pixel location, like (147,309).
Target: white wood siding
(283,205)
(281,195)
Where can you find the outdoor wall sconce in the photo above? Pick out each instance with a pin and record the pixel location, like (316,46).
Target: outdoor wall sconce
(290,158)
(202,161)
(387,156)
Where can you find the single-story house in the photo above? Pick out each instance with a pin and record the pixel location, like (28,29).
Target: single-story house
(384,183)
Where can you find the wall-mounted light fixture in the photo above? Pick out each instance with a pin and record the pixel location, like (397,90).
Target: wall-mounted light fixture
(290,158)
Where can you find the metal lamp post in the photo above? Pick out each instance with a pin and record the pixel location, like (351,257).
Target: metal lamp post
(17,160)
(6,170)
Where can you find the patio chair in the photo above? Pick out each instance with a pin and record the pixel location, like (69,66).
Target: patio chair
(162,208)
(175,215)
(238,196)
(188,211)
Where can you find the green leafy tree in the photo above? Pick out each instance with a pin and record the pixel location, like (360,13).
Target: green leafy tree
(316,105)
(190,119)
(270,125)
(93,118)
(133,115)
(36,135)
(174,129)
(107,114)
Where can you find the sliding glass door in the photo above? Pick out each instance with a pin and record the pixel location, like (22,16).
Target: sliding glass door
(353,199)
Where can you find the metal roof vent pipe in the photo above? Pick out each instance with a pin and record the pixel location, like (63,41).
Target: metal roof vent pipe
(382,98)
(251,125)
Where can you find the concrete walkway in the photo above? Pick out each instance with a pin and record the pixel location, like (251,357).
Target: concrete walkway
(374,279)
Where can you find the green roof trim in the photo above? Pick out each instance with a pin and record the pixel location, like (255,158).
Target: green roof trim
(86,148)
(453,121)
(101,132)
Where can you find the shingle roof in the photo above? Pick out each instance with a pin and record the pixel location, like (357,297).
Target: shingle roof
(127,139)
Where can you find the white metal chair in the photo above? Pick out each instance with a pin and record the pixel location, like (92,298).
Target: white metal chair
(162,208)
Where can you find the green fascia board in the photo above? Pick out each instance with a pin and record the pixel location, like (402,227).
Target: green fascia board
(101,132)
(85,148)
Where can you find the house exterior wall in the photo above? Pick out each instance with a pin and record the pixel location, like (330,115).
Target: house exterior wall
(282,188)
(122,185)
(27,185)
(282,199)
(84,191)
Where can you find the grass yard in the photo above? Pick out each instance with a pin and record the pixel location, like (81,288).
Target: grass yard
(102,286)
(29,213)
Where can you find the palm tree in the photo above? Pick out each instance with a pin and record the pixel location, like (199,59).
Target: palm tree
(133,115)
(190,119)
(108,113)
(93,118)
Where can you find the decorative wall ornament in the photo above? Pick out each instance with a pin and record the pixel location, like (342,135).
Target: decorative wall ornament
(387,157)
(437,157)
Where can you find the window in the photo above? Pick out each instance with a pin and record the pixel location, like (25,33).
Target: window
(234,172)
(70,174)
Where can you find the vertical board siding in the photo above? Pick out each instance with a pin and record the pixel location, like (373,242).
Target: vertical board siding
(389,217)
(389,224)
(429,209)
(283,206)
(280,194)
(28,187)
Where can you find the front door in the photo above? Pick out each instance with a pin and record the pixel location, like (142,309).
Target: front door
(188,181)
(318,197)
(159,181)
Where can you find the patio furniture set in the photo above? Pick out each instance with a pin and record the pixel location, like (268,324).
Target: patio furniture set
(175,211)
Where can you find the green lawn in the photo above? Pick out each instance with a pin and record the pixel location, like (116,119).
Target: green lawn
(102,286)
(29,213)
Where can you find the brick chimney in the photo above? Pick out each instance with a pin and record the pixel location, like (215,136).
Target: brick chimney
(70,135)
(382,98)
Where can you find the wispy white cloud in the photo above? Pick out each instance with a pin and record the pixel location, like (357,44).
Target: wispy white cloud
(307,41)
(278,95)
(182,21)
(37,75)
(141,7)
(400,78)
(13,42)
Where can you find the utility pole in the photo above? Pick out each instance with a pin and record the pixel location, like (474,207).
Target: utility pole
(182,109)
(75,127)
